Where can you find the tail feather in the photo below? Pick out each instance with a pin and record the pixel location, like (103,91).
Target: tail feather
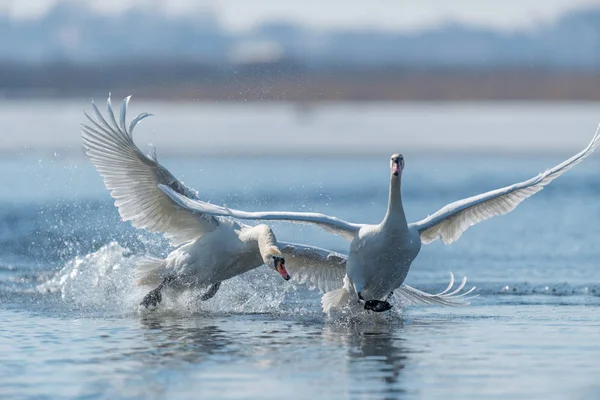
(335,299)
(444,298)
(150,271)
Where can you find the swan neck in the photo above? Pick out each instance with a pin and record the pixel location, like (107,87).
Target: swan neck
(267,243)
(395,211)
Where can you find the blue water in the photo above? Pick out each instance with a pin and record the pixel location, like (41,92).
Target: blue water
(71,328)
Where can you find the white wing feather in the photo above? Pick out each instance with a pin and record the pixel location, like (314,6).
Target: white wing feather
(132,179)
(315,267)
(331,224)
(451,221)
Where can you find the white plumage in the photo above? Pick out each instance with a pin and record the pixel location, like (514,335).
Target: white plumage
(132,177)
(451,221)
(211,249)
(326,270)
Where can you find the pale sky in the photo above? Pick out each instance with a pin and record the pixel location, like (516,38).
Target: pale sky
(385,14)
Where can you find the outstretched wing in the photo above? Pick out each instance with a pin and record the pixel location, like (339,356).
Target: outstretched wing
(331,224)
(451,221)
(133,178)
(315,267)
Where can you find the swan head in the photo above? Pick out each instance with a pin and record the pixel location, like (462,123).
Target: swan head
(396,164)
(273,258)
(278,264)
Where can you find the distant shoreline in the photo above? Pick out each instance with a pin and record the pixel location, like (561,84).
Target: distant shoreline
(273,83)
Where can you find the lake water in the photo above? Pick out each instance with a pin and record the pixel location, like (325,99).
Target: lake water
(70,326)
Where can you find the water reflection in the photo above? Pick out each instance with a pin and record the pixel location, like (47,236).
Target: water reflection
(376,357)
(191,340)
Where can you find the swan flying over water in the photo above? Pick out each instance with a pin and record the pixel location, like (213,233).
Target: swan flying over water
(211,249)
(381,255)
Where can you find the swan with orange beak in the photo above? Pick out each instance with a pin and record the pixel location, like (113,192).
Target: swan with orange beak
(209,249)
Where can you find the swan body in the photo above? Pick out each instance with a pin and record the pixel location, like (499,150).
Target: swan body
(380,255)
(392,248)
(196,263)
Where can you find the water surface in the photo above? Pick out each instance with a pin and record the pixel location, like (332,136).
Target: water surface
(71,326)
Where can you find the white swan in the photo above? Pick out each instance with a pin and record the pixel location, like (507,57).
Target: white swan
(212,249)
(380,255)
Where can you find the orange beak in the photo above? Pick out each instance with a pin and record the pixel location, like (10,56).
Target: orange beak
(280,267)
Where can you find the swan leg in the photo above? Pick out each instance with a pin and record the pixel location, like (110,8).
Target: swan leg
(212,290)
(155,296)
(360,298)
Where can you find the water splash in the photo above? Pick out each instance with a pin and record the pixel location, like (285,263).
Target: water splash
(560,289)
(105,280)
(100,280)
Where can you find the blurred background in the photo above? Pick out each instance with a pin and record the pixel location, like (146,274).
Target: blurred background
(298,56)
(268,50)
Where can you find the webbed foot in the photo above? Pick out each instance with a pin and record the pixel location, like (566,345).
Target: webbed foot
(377,305)
(152,298)
(212,290)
